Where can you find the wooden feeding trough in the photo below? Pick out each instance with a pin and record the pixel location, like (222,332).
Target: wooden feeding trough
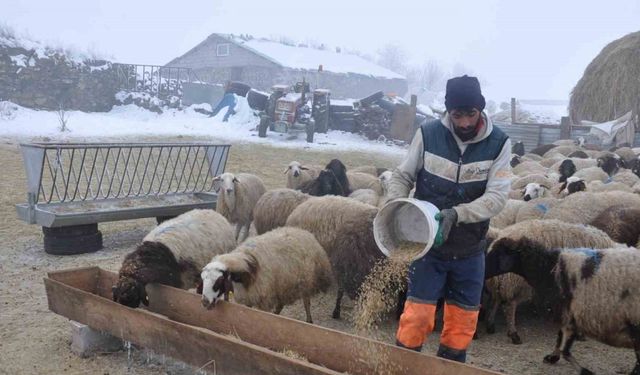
(240,340)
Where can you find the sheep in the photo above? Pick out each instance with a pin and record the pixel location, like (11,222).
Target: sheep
(173,254)
(531,157)
(620,223)
(515,194)
(565,142)
(344,228)
(358,180)
(599,187)
(270,271)
(273,208)
(566,168)
(369,169)
(583,207)
(550,161)
(534,190)
(626,177)
(325,184)
(564,150)
(578,164)
(535,209)
(579,154)
(596,290)
(635,167)
(518,148)
(515,160)
(521,182)
(626,154)
(508,214)
(609,162)
(367,196)
(340,171)
(543,149)
(513,289)
(592,174)
(297,174)
(571,185)
(238,195)
(528,167)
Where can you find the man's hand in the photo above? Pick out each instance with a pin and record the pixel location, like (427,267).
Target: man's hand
(447,218)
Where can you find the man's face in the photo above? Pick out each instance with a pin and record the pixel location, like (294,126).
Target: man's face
(464,119)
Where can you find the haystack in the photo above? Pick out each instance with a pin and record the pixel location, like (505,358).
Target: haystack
(610,86)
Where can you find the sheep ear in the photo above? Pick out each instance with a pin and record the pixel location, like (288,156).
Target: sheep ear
(286,170)
(235,180)
(304,168)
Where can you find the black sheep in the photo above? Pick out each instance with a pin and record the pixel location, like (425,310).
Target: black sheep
(620,223)
(567,169)
(325,184)
(610,163)
(635,167)
(518,148)
(340,171)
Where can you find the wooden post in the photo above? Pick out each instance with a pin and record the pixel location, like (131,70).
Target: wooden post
(513,110)
(565,128)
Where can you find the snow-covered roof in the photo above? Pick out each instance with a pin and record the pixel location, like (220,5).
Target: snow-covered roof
(310,58)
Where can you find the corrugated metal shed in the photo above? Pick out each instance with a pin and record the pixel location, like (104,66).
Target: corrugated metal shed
(528,134)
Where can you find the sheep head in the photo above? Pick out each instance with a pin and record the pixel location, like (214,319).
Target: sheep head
(610,163)
(295,169)
(130,292)
(215,283)
(573,185)
(635,167)
(225,184)
(566,169)
(515,160)
(534,190)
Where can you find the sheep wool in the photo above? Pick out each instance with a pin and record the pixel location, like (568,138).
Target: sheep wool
(535,209)
(238,195)
(598,187)
(527,168)
(274,207)
(521,182)
(592,174)
(508,214)
(344,228)
(582,207)
(358,180)
(272,270)
(367,196)
(626,177)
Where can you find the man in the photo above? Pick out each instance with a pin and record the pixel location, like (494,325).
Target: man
(461,165)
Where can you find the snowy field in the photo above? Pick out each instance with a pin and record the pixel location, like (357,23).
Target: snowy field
(131,122)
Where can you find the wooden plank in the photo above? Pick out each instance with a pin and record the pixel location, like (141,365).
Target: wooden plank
(193,345)
(85,278)
(330,348)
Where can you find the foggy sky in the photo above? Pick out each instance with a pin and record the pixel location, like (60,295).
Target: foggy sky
(529,50)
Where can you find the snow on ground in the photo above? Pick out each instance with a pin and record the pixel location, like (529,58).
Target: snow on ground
(131,121)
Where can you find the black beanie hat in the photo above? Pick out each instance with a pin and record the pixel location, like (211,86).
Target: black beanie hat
(464,92)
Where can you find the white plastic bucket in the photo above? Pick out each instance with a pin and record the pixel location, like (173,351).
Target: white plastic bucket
(405,220)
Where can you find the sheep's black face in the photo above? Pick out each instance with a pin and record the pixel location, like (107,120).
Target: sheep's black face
(518,148)
(567,169)
(130,292)
(635,168)
(576,186)
(515,160)
(609,164)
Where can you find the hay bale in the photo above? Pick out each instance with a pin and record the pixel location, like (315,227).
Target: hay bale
(609,87)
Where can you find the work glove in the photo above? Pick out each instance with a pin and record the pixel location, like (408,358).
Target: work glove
(447,218)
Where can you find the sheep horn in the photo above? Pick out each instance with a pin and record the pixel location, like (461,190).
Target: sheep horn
(286,170)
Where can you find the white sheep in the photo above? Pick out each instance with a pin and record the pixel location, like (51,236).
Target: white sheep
(274,207)
(626,177)
(508,214)
(592,174)
(370,169)
(344,228)
(237,196)
(535,190)
(521,182)
(582,207)
(527,168)
(552,159)
(367,196)
(596,290)
(599,186)
(535,209)
(563,150)
(512,289)
(359,180)
(297,174)
(173,253)
(270,271)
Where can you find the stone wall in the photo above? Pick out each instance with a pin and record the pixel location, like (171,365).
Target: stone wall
(34,80)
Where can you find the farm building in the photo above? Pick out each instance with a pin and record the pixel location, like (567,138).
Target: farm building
(261,63)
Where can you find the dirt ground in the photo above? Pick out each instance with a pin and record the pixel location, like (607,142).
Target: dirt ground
(34,340)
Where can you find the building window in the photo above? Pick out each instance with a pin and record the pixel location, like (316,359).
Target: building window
(222,49)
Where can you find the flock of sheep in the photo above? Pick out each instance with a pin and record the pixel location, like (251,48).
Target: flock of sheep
(318,232)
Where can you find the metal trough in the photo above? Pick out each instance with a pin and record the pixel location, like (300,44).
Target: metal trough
(73,186)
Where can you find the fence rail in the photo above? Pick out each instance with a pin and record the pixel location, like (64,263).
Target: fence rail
(161,81)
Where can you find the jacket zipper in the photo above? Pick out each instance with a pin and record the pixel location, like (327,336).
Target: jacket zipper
(459,168)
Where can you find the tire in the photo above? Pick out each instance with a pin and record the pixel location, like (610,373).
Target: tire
(257,100)
(70,240)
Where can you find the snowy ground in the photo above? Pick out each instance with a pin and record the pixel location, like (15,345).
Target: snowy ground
(131,121)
